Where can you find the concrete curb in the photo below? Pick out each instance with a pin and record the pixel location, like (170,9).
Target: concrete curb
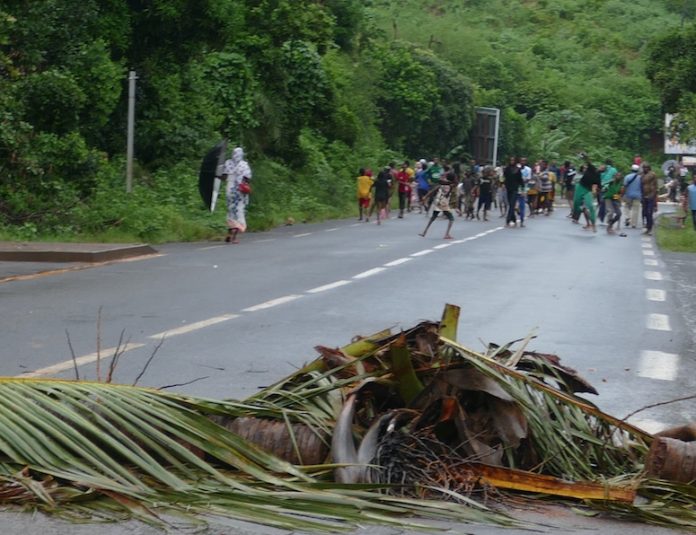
(70,252)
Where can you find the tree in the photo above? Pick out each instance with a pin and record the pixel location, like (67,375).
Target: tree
(672,70)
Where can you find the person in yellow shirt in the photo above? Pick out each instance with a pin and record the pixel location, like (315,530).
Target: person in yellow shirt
(364,193)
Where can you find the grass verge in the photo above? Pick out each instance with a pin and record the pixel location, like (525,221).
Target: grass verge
(672,236)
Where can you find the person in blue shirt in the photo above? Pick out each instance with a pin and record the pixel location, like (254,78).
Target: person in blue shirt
(691,200)
(422,184)
(632,196)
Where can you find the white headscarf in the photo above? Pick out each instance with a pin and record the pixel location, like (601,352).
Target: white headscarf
(236,169)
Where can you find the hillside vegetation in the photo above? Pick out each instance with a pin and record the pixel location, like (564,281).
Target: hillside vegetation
(312,89)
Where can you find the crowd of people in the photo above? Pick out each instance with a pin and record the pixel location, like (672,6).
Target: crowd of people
(518,189)
(596,193)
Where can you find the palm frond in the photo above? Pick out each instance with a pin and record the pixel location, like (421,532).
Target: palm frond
(93,451)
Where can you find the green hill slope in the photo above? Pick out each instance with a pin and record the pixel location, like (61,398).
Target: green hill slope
(313,90)
(573,69)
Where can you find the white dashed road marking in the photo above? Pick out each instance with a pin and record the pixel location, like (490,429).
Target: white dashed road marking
(369,273)
(651,426)
(650,262)
(423,253)
(397,262)
(653,294)
(653,275)
(194,326)
(646,245)
(658,365)
(327,287)
(648,252)
(104,354)
(184,329)
(272,303)
(658,322)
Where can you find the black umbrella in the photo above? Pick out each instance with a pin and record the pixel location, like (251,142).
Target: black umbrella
(210,173)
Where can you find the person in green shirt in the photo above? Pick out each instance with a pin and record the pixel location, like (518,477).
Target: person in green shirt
(611,195)
(606,175)
(434,173)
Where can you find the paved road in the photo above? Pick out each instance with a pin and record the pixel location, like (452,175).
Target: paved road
(244,316)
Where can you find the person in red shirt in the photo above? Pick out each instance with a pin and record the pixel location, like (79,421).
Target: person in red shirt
(403,179)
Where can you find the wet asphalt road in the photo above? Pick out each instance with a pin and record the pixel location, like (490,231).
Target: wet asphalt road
(238,317)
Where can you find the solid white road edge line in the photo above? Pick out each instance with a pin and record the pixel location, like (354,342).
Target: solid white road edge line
(422,253)
(194,326)
(104,354)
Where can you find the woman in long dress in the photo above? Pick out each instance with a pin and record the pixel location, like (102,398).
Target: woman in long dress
(238,175)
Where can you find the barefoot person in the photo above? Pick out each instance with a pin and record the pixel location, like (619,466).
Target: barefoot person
(364,194)
(441,204)
(382,187)
(237,175)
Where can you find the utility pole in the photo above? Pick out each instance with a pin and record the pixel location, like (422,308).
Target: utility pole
(131,129)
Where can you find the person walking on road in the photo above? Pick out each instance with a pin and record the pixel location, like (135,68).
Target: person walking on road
(237,175)
(441,204)
(382,186)
(691,200)
(585,189)
(364,194)
(612,202)
(403,179)
(485,191)
(512,176)
(633,194)
(568,182)
(649,183)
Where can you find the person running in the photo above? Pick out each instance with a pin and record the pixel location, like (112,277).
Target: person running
(442,194)
(423,186)
(649,184)
(512,175)
(364,194)
(585,189)
(382,187)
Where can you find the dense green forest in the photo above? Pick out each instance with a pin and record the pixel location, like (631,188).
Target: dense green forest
(313,90)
